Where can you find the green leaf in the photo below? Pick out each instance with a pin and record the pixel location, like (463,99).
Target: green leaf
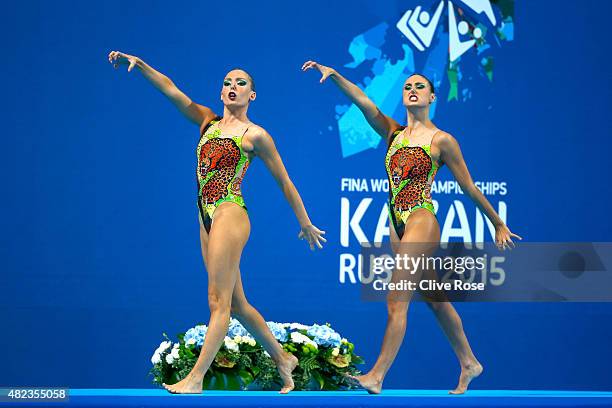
(231,382)
(209,381)
(219,381)
(246,377)
(318,378)
(357,359)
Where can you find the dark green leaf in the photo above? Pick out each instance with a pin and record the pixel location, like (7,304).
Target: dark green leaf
(357,359)
(318,378)
(231,382)
(246,377)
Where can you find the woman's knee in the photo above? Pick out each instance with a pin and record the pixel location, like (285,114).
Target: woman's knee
(397,309)
(218,302)
(435,306)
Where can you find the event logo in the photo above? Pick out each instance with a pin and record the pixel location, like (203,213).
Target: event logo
(456,51)
(419,29)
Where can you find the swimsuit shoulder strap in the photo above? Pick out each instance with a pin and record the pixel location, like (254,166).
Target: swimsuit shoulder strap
(395,133)
(432,136)
(245,130)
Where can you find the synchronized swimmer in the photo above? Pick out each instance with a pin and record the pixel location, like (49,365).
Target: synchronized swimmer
(415,152)
(227,145)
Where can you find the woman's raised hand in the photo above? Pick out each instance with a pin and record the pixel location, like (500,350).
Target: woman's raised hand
(503,237)
(313,235)
(325,71)
(119,58)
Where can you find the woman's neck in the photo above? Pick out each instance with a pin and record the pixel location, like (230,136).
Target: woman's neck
(235,115)
(418,118)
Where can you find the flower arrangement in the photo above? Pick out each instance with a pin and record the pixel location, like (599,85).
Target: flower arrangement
(324,358)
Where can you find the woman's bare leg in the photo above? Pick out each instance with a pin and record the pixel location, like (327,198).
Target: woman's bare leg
(451,324)
(228,235)
(254,322)
(421,236)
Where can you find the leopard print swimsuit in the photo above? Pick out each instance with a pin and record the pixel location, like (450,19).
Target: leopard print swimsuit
(222,164)
(411,171)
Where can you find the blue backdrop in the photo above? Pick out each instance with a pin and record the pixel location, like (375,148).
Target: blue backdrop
(100,242)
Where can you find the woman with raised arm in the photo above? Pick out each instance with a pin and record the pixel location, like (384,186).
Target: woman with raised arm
(414,154)
(226,147)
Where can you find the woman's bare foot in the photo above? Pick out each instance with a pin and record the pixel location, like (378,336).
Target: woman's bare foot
(188,385)
(468,373)
(368,382)
(285,368)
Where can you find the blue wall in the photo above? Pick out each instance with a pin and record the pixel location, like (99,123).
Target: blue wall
(100,235)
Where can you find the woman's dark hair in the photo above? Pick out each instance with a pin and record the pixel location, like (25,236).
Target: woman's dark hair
(249,75)
(431,87)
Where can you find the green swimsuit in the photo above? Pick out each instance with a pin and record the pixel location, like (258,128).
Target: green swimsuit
(411,171)
(222,164)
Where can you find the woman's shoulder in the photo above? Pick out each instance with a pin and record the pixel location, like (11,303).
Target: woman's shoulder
(393,134)
(399,128)
(441,137)
(255,132)
(208,122)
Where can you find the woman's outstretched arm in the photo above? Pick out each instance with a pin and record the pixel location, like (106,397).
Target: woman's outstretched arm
(194,112)
(381,123)
(265,148)
(450,154)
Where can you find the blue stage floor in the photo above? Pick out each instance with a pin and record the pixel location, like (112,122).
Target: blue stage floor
(389,398)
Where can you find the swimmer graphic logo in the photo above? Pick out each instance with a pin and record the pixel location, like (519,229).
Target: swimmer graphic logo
(417,27)
(456,51)
(414,25)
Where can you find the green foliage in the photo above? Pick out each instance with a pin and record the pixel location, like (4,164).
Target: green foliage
(319,368)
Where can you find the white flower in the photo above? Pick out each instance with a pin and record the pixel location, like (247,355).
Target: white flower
(344,340)
(156,358)
(245,339)
(299,338)
(296,326)
(169,359)
(230,344)
(175,351)
(163,346)
(191,341)
(335,351)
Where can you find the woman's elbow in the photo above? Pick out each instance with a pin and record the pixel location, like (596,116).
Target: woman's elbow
(286,185)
